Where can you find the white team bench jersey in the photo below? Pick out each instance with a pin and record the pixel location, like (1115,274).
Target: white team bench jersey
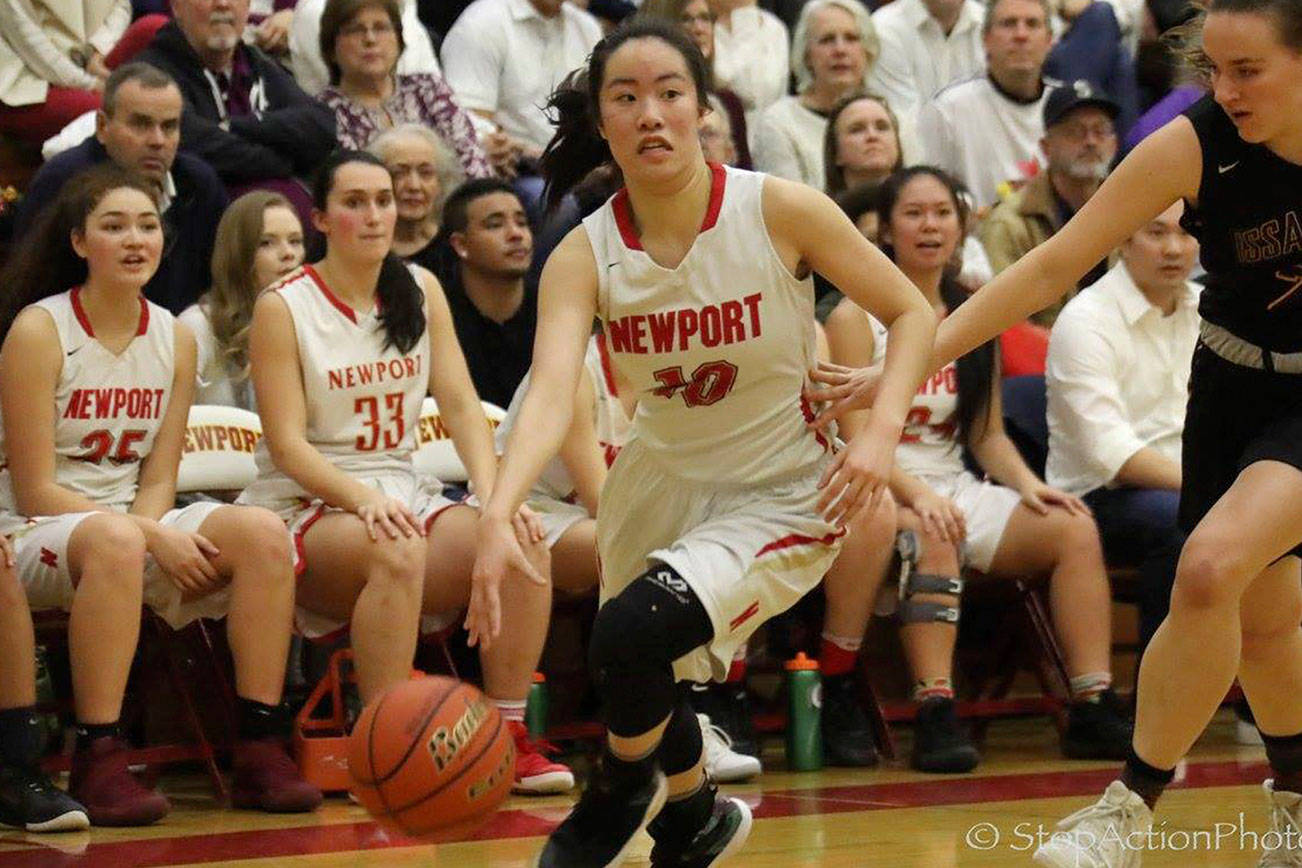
(363,400)
(717,349)
(929,443)
(613,424)
(107,408)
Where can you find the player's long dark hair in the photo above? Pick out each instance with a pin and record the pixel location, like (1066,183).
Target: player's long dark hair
(976,370)
(44,263)
(401,300)
(577,147)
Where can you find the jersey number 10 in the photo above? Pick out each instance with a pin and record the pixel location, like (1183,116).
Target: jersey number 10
(380,432)
(710,383)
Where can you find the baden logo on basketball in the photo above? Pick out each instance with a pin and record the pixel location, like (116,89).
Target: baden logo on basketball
(445,744)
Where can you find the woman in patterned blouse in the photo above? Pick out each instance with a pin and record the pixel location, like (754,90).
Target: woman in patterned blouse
(361,41)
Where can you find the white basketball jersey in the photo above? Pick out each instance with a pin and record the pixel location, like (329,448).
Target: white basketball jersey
(107,408)
(363,400)
(929,444)
(718,348)
(613,424)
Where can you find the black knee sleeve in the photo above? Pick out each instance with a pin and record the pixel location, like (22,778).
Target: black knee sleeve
(635,639)
(681,746)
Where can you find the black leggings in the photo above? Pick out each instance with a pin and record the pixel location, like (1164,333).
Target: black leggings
(635,639)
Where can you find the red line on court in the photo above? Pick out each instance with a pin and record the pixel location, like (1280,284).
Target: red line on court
(346,837)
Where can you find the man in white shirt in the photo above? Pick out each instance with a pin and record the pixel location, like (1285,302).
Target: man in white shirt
(752,51)
(1117,378)
(925,45)
(503,59)
(309,67)
(987,130)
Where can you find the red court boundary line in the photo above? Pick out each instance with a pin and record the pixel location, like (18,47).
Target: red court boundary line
(347,837)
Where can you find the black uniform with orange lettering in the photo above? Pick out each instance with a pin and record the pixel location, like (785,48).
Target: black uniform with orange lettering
(1248,220)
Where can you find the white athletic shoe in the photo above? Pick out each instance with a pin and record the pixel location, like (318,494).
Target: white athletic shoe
(1285,835)
(722,763)
(1108,834)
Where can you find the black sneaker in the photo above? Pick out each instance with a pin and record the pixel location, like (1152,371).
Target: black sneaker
(728,707)
(29,800)
(940,742)
(725,832)
(1098,730)
(603,824)
(847,734)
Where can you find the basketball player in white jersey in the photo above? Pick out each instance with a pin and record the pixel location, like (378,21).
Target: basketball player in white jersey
(342,354)
(724,508)
(95,388)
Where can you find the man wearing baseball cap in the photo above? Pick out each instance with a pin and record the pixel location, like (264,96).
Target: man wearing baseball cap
(1079,144)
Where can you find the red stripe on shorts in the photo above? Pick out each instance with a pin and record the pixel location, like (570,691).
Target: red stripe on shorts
(797,539)
(745,616)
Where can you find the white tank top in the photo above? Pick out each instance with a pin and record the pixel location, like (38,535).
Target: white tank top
(929,444)
(717,349)
(363,400)
(107,408)
(613,424)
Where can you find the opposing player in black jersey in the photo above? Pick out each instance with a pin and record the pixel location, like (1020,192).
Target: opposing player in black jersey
(1235,157)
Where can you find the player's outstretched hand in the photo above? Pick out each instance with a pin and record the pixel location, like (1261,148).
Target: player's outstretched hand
(187,558)
(497,553)
(857,476)
(837,390)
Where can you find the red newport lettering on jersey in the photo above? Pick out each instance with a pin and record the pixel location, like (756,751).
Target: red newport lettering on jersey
(728,322)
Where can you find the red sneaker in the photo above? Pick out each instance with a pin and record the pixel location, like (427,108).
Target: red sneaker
(266,779)
(534,773)
(101,781)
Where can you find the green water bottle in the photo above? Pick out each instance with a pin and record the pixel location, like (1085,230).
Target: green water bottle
(535,709)
(804,712)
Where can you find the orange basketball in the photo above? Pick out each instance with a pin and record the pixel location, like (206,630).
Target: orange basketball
(431,757)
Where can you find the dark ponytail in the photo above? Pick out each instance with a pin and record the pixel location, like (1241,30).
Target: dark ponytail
(976,370)
(401,301)
(577,147)
(44,263)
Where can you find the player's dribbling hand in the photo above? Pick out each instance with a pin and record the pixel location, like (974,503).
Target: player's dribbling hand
(842,390)
(388,514)
(497,553)
(857,476)
(187,558)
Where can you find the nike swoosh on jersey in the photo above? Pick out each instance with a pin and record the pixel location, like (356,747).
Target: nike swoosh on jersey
(1223,169)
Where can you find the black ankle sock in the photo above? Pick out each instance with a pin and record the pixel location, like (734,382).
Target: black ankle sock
(628,774)
(1143,779)
(88,732)
(685,815)
(1285,755)
(22,736)
(257,720)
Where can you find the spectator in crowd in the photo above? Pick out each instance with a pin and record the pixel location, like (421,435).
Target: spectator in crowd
(1079,144)
(1012,524)
(139,129)
(1091,47)
(310,61)
(488,233)
(1117,378)
(926,45)
(52,66)
(503,59)
(259,241)
(986,131)
(832,51)
(861,145)
(244,114)
(751,53)
(697,19)
(716,135)
(425,171)
(361,41)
